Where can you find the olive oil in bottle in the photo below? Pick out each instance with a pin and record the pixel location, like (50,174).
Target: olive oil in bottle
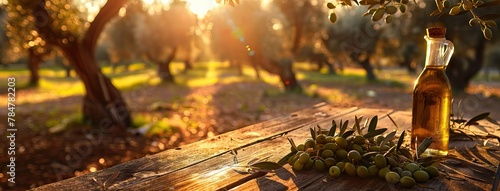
(432,96)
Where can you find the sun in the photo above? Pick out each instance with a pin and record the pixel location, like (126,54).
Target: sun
(201,7)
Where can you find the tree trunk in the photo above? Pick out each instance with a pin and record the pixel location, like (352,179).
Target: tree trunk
(370,75)
(103,104)
(289,81)
(35,60)
(461,69)
(188,65)
(164,68)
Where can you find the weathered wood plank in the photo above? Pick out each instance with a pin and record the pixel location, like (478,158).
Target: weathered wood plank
(215,173)
(209,164)
(162,163)
(462,173)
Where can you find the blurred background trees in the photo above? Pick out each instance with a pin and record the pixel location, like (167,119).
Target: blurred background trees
(267,35)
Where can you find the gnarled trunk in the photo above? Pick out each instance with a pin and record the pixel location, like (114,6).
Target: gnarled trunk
(164,71)
(370,75)
(103,104)
(35,60)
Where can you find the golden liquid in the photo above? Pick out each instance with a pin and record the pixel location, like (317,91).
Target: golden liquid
(431,110)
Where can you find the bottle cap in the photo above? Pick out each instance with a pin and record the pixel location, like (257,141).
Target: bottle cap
(436,32)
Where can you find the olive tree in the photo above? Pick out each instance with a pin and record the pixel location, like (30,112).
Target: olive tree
(63,24)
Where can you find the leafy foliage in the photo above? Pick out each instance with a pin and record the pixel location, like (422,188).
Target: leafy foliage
(387,8)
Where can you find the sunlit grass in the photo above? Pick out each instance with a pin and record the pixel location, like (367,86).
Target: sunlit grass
(54,84)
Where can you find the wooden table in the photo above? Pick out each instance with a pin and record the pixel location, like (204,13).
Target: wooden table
(209,164)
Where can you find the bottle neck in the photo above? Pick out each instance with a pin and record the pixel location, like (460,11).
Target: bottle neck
(436,50)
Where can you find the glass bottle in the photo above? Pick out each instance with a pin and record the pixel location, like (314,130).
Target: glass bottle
(432,96)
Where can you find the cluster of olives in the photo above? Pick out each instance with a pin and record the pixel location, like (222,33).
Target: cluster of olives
(359,156)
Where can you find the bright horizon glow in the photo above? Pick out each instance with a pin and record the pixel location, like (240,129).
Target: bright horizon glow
(201,7)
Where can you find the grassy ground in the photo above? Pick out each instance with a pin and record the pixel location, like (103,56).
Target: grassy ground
(206,101)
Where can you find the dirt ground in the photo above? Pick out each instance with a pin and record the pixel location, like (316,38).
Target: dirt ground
(43,157)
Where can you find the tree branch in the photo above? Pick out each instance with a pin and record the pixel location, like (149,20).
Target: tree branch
(107,12)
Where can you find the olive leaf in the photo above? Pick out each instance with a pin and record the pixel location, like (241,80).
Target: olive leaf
(369,154)
(491,120)
(343,127)
(392,120)
(423,146)
(313,133)
(292,143)
(406,153)
(374,133)
(348,133)
(333,128)
(355,126)
(265,165)
(477,118)
(390,150)
(401,139)
(284,160)
(373,123)
(387,138)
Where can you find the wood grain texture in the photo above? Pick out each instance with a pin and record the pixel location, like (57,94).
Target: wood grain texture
(218,163)
(173,160)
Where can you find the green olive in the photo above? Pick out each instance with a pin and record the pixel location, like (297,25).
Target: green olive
(327,154)
(358,139)
(354,156)
(379,139)
(357,148)
(375,148)
(309,164)
(341,142)
(298,165)
(392,177)
(341,165)
(309,143)
(350,169)
(341,154)
(412,167)
(303,158)
(319,165)
(330,162)
(335,171)
(362,171)
(330,139)
(330,146)
(407,181)
(421,176)
(406,173)
(380,161)
(373,170)
(301,147)
(432,171)
(321,139)
(383,171)
(397,169)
